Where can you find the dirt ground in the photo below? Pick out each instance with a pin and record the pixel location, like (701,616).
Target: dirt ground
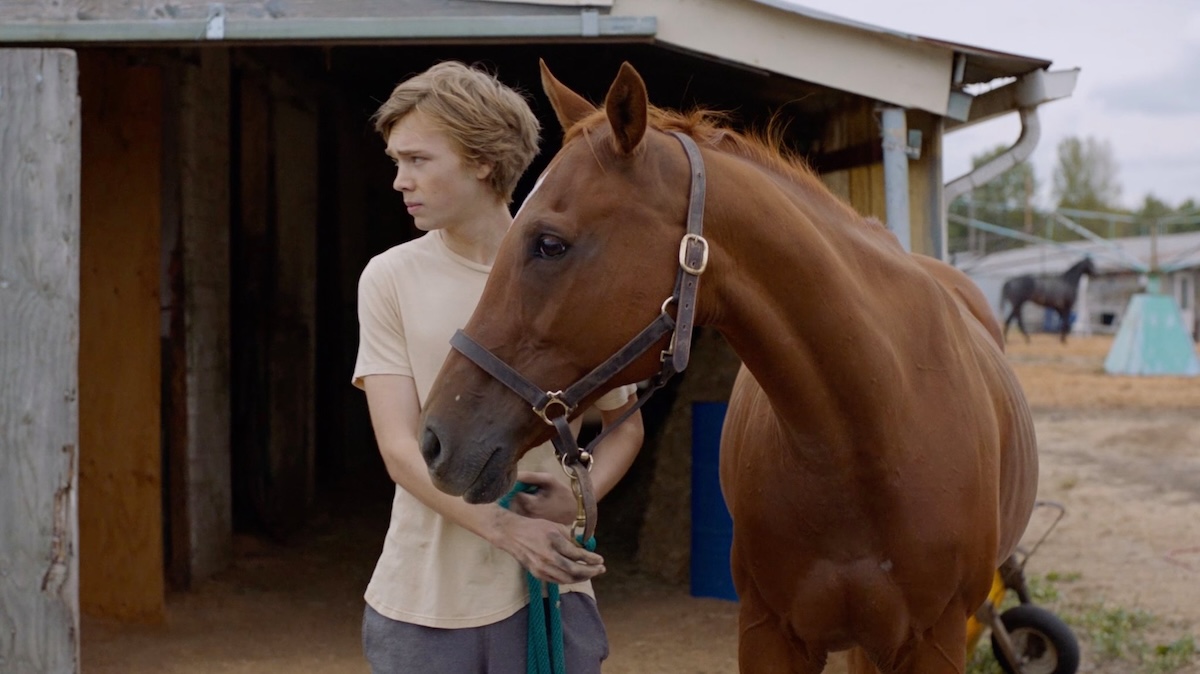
(1122,455)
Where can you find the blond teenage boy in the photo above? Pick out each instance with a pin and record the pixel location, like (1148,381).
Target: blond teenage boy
(448,594)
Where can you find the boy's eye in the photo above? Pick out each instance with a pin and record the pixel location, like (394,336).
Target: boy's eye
(548,246)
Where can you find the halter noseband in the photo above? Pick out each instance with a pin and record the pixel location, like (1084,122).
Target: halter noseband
(693,259)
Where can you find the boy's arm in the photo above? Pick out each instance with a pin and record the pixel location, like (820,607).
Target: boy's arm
(540,546)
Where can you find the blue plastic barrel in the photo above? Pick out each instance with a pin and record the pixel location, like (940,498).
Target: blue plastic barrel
(712,527)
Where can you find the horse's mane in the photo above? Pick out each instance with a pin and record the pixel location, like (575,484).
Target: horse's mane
(710,127)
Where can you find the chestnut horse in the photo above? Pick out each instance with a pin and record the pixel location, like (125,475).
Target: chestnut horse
(878,454)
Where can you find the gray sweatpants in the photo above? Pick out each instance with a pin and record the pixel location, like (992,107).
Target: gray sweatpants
(394,647)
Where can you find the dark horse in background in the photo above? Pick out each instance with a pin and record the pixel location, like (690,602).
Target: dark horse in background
(1057,293)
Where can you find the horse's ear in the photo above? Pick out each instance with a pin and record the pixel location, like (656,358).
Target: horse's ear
(568,106)
(626,106)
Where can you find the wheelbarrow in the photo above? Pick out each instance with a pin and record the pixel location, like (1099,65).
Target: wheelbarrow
(1026,639)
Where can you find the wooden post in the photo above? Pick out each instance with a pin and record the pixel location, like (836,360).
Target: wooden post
(39,334)
(204,251)
(120,352)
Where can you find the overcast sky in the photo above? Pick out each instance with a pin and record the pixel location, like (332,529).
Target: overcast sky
(1139,87)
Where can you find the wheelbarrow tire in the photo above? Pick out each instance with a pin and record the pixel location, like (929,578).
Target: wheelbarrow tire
(1041,639)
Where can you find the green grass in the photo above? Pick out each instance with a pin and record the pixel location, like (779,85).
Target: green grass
(1107,634)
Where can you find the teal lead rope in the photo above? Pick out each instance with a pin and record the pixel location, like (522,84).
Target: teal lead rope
(543,654)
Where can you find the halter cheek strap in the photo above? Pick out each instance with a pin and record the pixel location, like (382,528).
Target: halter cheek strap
(556,407)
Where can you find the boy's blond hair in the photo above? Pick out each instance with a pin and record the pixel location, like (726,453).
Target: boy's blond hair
(491,123)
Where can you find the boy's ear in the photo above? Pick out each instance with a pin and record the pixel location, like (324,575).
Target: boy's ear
(482,171)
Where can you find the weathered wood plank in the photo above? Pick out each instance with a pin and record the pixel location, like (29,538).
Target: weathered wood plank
(120,467)
(39,334)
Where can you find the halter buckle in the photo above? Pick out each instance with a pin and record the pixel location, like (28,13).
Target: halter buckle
(683,254)
(552,397)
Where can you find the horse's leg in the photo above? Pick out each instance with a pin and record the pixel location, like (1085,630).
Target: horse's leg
(942,649)
(764,645)
(1021,321)
(1064,318)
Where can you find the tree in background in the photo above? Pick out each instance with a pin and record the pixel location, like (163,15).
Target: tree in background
(1085,179)
(1086,175)
(1007,200)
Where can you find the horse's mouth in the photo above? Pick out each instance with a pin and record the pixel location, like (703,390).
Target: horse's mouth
(493,480)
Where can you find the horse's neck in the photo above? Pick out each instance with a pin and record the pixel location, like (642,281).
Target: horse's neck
(789,297)
(1072,275)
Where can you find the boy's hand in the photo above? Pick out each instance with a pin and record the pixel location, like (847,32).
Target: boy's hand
(552,500)
(545,549)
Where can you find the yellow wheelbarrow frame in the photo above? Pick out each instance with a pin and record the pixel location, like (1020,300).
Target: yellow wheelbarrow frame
(1026,639)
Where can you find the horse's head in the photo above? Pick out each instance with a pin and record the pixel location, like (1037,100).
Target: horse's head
(586,265)
(1088,267)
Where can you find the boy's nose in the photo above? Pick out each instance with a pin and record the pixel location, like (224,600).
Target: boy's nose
(402,183)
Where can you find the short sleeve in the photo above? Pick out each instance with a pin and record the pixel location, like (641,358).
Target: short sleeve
(382,347)
(616,397)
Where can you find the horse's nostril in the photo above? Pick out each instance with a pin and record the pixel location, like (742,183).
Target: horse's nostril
(431,447)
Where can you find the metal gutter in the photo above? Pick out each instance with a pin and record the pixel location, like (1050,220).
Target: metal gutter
(1031,132)
(218,27)
(1056,84)
(1028,93)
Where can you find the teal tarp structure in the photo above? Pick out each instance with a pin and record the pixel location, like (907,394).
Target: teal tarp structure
(1152,340)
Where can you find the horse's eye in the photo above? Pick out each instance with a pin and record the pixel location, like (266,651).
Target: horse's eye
(548,246)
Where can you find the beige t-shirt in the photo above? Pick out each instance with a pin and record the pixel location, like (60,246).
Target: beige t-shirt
(432,572)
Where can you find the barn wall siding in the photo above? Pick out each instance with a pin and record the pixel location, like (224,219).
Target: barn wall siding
(862,186)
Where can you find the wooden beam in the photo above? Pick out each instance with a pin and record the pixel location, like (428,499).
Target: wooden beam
(204,255)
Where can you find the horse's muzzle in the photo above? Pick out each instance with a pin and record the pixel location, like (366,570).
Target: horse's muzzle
(476,479)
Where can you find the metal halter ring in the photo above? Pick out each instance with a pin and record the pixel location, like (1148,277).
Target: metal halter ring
(554,397)
(585,460)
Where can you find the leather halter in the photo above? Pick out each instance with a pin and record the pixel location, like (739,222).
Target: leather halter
(693,259)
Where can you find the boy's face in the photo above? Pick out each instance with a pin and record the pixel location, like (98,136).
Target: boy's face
(440,189)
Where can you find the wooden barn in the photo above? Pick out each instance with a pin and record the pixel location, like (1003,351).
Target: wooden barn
(189,190)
